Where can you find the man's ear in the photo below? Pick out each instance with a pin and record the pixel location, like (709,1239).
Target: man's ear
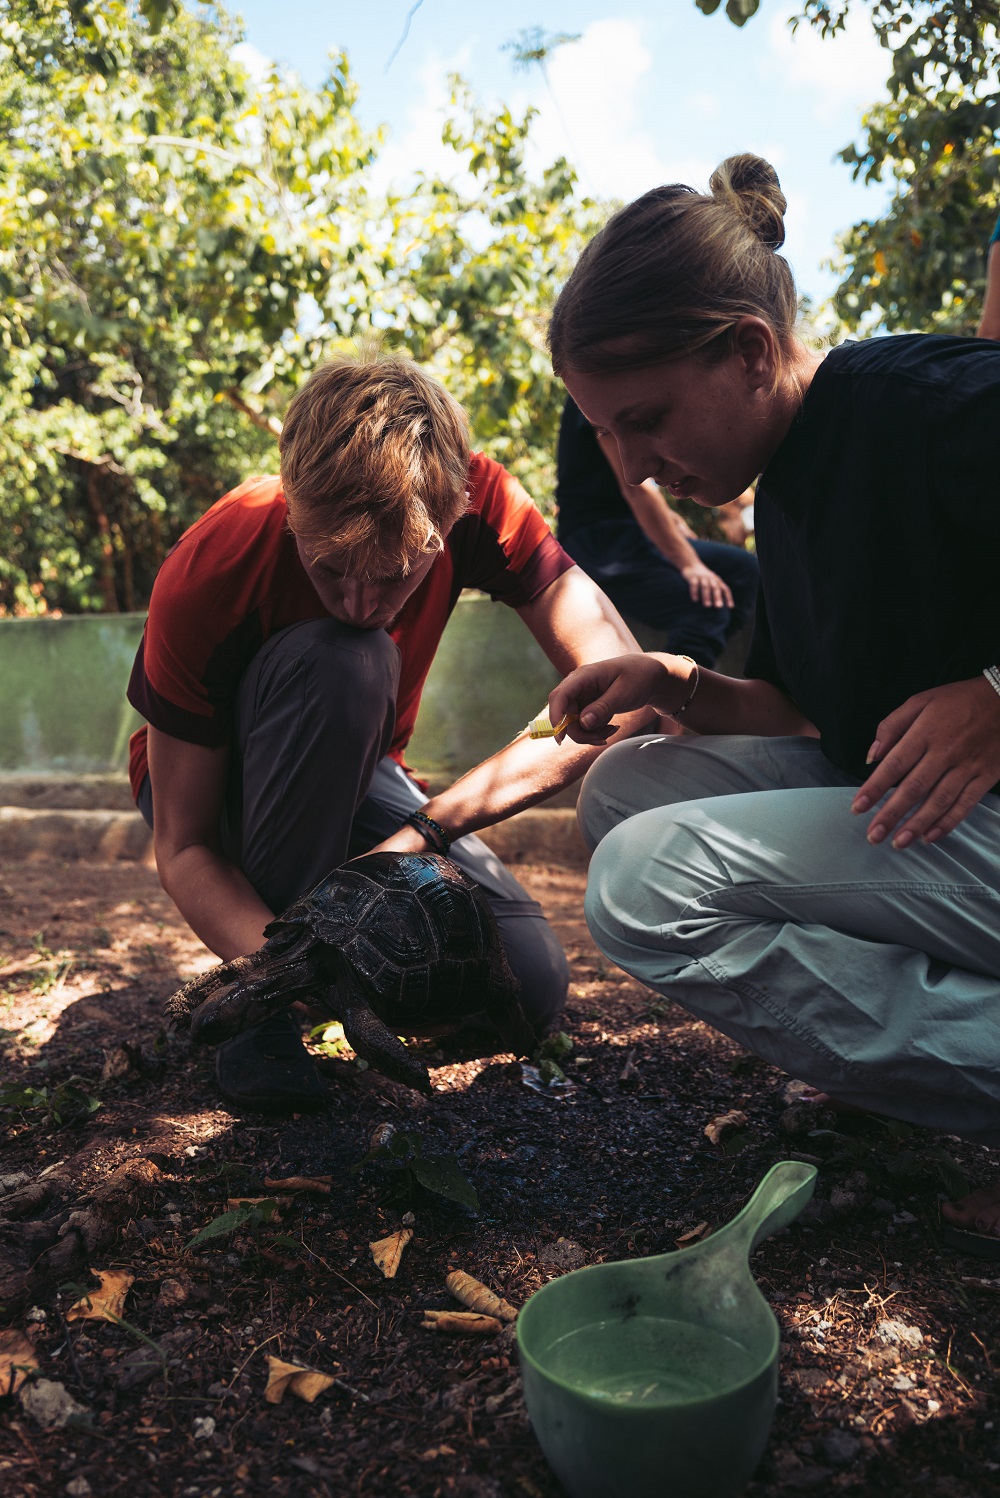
(755,344)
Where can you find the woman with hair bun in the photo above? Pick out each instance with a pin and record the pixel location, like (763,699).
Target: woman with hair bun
(816,870)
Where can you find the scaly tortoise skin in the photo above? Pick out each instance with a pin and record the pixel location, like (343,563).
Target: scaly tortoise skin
(389,942)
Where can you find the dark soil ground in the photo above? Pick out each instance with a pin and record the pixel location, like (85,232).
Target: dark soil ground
(886,1384)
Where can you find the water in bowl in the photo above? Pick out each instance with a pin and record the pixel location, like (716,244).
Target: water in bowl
(644,1360)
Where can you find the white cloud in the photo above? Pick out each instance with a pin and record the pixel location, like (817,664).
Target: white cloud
(591,113)
(419,147)
(708,106)
(847,69)
(253,59)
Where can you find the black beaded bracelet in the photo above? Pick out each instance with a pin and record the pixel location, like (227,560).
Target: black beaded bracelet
(438,839)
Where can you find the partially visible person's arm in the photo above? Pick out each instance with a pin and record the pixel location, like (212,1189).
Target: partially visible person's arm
(732,518)
(212,894)
(989,323)
(667,531)
(574,623)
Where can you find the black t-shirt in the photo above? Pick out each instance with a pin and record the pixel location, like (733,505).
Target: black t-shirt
(878,535)
(586,487)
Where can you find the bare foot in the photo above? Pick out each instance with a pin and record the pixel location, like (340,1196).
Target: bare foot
(979,1212)
(824,1100)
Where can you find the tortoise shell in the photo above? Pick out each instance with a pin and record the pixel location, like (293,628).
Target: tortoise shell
(387,943)
(414,931)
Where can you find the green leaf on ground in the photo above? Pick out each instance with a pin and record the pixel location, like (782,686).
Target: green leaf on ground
(230,1222)
(442,1175)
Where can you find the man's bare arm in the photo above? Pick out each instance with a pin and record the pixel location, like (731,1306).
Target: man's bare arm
(989,324)
(574,623)
(212,894)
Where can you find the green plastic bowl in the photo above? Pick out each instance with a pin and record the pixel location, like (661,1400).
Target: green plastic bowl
(658,1378)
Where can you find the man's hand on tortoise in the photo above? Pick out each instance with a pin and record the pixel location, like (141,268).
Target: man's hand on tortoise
(706,587)
(941,752)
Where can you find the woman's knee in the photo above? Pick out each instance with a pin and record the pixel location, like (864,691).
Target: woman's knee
(601,804)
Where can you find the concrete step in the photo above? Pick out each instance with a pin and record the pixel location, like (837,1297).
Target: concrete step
(105,792)
(92,818)
(67,834)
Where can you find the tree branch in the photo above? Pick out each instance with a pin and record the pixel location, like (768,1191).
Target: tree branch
(259,418)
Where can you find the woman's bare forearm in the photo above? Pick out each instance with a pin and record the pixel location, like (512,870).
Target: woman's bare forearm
(727,704)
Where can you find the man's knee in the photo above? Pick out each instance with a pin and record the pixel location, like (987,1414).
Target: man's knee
(348,677)
(646,875)
(538,961)
(340,661)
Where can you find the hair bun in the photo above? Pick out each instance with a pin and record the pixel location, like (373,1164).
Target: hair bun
(750,185)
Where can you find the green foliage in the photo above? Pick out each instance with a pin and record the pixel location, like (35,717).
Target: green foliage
(921,266)
(406,1165)
(180,245)
(329,1038)
(738,11)
(553,1050)
(49,1106)
(248,1215)
(533,46)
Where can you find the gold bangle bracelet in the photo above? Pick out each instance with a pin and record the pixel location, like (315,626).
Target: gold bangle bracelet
(690,698)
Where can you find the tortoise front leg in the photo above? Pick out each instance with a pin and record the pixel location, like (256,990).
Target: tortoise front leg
(374,1042)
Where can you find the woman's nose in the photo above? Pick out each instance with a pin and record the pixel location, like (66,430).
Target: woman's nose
(638,464)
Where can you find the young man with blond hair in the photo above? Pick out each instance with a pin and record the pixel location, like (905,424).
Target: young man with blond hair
(290,632)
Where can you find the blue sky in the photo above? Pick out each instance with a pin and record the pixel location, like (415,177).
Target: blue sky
(652,92)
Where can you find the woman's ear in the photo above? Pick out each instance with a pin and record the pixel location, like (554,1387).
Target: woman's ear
(755,345)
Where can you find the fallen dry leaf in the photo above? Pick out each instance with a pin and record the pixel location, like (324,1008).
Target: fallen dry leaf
(17,1359)
(387,1252)
(629,1071)
(726,1123)
(117,1063)
(462,1323)
(106,1303)
(304,1383)
(321,1184)
(478,1297)
(693,1235)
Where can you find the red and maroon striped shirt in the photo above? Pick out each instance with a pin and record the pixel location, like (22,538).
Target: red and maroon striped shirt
(234,578)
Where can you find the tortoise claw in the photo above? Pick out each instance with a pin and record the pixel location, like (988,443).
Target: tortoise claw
(181,1005)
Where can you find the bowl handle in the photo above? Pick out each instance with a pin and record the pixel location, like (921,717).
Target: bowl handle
(777,1201)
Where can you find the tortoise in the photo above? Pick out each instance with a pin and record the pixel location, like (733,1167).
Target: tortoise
(389,942)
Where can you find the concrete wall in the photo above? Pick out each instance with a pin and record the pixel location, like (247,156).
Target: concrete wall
(63,708)
(62,692)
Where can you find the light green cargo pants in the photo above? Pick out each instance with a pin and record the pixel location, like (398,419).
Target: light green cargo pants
(731,875)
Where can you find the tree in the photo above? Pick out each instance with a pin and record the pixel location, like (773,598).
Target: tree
(162,222)
(922,264)
(180,245)
(477,263)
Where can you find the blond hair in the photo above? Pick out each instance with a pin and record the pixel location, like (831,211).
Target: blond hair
(374,463)
(670,274)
